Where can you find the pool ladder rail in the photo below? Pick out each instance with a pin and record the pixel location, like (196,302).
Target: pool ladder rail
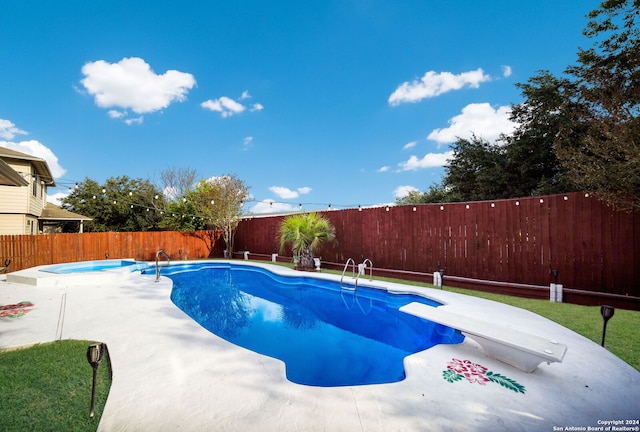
(362,269)
(160,252)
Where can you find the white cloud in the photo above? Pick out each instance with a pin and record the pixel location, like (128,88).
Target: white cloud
(224,105)
(506,71)
(57,198)
(268,206)
(228,107)
(478,119)
(115,114)
(8,130)
(286,193)
(430,160)
(132,84)
(170,192)
(383,169)
(283,192)
(434,84)
(409,145)
(137,120)
(246,143)
(403,191)
(37,149)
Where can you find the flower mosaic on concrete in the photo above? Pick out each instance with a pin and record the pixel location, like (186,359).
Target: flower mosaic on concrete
(476,373)
(15,310)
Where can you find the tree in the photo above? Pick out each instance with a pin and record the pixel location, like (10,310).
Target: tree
(224,199)
(305,232)
(121,204)
(214,205)
(477,171)
(531,161)
(600,145)
(177,181)
(437,193)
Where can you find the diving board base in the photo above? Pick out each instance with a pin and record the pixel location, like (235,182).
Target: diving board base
(521,350)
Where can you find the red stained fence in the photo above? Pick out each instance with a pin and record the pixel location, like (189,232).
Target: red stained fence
(516,241)
(34,250)
(514,244)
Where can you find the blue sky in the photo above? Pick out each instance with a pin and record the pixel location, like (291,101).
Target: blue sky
(320,102)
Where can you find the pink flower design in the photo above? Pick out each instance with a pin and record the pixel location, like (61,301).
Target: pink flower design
(480,379)
(473,372)
(457,365)
(476,373)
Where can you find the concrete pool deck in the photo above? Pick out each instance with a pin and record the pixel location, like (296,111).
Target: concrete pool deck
(171,374)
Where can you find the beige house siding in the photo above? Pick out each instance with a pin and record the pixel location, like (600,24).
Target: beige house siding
(22,199)
(21,206)
(15,199)
(13,224)
(36,195)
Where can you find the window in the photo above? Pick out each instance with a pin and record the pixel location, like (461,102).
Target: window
(35,185)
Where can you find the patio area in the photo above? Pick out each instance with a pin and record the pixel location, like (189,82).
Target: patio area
(171,374)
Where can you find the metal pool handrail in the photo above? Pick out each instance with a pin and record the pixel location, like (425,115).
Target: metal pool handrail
(364,268)
(160,252)
(353,271)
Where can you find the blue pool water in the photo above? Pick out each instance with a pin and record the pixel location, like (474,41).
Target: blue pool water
(325,336)
(89,266)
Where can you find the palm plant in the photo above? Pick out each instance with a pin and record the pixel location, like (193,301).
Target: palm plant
(305,232)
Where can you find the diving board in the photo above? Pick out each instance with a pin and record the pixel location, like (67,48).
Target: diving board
(516,348)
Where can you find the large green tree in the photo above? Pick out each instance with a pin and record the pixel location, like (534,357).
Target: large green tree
(120,204)
(530,155)
(600,144)
(580,131)
(477,170)
(212,206)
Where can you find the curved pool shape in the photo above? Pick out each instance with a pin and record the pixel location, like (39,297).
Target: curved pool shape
(92,266)
(326,336)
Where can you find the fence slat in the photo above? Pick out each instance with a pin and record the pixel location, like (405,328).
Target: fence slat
(593,247)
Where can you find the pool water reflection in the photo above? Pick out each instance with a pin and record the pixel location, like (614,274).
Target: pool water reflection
(325,336)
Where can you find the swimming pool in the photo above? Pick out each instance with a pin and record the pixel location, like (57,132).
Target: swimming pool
(92,266)
(326,335)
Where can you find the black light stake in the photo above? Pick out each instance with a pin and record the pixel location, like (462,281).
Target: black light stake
(94,357)
(606,312)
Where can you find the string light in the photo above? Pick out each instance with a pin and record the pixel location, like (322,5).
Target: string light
(153,205)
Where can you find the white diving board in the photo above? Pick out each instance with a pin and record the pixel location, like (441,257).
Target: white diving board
(516,348)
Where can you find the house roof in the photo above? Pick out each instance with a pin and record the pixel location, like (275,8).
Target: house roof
(53,212)
(10,177)
(41,166)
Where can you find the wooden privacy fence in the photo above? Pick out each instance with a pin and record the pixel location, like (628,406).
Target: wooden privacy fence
(34,250)
(520,241)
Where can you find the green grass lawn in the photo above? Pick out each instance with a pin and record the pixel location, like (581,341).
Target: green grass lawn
(622,337)
(47,387)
